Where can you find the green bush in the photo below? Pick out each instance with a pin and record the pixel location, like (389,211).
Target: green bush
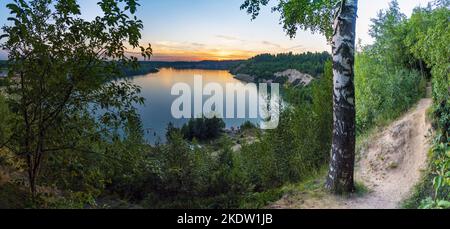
(203,129)
(5,118)
(248,126)
(264,66)
(383,94)
(301,143)
(188,175)
(388,79)
(441,177)
(428,40)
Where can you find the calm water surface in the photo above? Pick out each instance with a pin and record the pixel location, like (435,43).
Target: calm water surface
(156,89)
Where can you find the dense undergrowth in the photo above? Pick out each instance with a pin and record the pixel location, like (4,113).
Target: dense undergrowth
(391,76)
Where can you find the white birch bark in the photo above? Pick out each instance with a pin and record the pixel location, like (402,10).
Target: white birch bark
(341,174)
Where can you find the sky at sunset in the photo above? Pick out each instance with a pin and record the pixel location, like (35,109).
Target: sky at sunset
(192,30)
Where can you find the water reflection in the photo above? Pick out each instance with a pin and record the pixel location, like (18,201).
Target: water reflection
(156,89)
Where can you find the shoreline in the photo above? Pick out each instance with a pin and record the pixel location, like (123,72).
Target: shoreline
(245,78)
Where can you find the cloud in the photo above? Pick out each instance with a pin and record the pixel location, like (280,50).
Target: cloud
(197,44)
(205,54)
(263,46)
(172,45)
(225,48)
(230,38)
(298,48)
(194,51)
(271,44)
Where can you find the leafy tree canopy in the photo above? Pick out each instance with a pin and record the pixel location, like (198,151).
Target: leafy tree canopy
(60,68)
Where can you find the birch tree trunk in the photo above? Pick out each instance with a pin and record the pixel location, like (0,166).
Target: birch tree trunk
(341,175)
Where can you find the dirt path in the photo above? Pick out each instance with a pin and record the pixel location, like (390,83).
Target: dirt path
(390,166)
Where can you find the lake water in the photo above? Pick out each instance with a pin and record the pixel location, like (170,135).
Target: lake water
(156,89)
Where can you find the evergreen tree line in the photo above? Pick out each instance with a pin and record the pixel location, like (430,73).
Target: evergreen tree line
(264,66)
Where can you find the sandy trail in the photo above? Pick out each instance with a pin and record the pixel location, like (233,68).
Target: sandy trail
(390,167)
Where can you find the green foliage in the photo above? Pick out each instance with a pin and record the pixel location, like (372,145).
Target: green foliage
(440,174)
(189,175)
(389,30)
(202,129)
(429,42)
(12,197)
(69,112)
(322,108)
(299,145)
(248,126)
(92,144)
(382,94)
(70,200)
(425,38)
(145,67)
(264,66)
(5,118)
(387,80)
(97,166)
(177,161)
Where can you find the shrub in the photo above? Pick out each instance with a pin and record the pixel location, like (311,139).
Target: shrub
(383,94)
(248,126)
(301,143)
(203,129)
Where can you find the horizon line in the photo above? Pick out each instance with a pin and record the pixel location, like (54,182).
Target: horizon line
(187,58)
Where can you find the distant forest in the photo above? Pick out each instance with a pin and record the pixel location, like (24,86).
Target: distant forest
(153,66)
(264,66)
(145,67)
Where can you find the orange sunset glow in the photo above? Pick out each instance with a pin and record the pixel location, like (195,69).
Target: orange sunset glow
(212,54)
